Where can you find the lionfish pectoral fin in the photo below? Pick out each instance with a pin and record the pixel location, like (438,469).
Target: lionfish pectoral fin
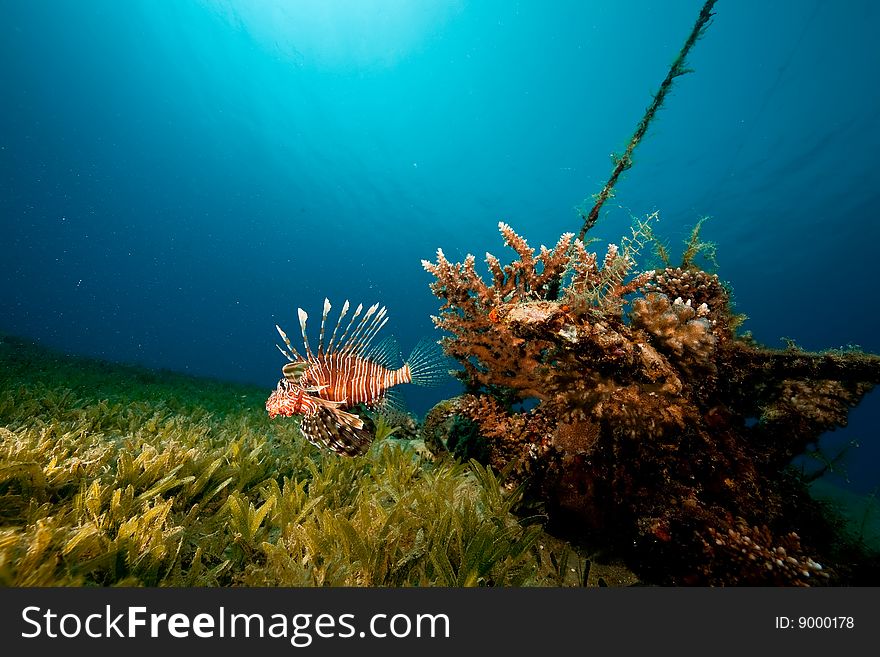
(344,417)
(350,419)
(337,430)
(332,405)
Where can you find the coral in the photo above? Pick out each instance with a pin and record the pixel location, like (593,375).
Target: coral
(678,329)
(437,424)
(473,308)
(753,555)
(517,320)
(698,289)
(652,423)
(515,440)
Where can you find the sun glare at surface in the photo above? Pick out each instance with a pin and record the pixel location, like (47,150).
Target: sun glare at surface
(338,33)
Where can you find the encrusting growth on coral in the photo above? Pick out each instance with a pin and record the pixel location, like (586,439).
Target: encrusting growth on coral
(751,550)
(651,423)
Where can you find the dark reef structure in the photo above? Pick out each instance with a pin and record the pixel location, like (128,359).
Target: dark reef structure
(652,425)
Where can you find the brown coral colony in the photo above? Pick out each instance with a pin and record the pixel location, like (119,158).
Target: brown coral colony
(655,426)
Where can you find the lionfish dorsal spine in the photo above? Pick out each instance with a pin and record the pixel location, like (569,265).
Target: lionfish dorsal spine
(303,316)
(323,323)
(362,348)
(361,337)
(336,328)
(355,315)
(381,320)
(288,356)
(345,345)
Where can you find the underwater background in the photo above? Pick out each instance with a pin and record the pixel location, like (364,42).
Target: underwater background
(179,177)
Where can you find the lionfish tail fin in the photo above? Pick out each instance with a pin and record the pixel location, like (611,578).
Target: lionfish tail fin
(428,365)
(337,430)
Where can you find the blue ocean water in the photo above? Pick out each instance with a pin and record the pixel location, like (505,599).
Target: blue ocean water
(177,177)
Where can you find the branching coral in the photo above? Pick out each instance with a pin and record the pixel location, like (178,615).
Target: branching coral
(655,423)
(518,323)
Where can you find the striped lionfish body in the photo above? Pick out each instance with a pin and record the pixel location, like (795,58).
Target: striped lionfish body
(321,386)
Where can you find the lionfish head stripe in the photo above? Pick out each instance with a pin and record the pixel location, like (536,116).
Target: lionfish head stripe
(289,399)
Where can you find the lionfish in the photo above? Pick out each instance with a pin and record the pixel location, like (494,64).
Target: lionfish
(322,385)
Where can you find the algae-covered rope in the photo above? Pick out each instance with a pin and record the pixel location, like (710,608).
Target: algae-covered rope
(624,161)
